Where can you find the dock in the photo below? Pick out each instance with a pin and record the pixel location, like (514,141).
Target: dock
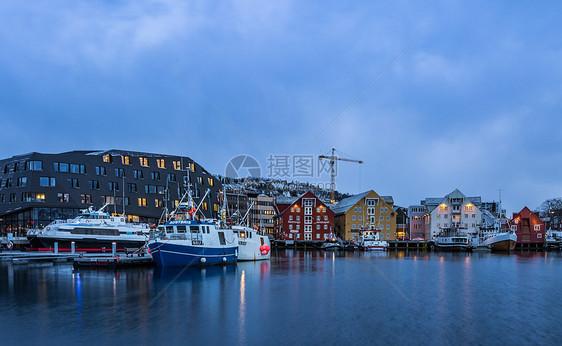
(408,245)
(79,260)
(112,262)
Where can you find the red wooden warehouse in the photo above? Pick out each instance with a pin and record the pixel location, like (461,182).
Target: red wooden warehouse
(530,229)
(303,218)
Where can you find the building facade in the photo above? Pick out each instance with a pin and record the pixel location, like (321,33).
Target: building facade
(263,212)
(365,212)
(402,223)
(36,188)
(417,215)
(529,227)
(453,210)
(303,218)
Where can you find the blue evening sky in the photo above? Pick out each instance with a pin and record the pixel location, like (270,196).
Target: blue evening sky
(473,103)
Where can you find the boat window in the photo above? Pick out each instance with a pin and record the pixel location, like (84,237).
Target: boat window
(169,228)
(194,229)
(222,239)
(181,229)
(95,231)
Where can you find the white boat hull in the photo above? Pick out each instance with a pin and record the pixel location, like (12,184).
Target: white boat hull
(502,242)
(375,245)
(250,244)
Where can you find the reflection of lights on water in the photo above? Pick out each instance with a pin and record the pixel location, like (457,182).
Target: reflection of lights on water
(242,312)
(114,286)
(243,288)
(441,259)
(415,258)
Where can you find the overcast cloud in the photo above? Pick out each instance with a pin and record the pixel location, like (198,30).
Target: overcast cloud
(473,103)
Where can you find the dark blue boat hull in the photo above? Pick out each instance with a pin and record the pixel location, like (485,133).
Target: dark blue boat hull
(174,255)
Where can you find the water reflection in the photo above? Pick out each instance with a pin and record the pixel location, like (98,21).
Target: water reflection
(451,298)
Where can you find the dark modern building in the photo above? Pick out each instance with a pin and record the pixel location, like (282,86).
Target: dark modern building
(36,189)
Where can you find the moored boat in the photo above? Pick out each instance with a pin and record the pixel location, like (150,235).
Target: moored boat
(252,246)
(332,243)
(91,229)
(185,241)
(503,241)
(370,240)
(452,239)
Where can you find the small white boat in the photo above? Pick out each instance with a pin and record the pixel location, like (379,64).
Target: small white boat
(370,240)
(252,246)
(332,243)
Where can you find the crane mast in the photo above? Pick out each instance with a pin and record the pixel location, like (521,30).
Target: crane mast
(332,161)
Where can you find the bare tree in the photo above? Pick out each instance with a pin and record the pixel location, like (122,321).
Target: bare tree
(552,208)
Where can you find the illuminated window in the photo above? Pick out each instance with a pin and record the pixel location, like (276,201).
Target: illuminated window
(107,158)
(161,163)
(177,165)
(142,202)
(32,197)
(143,161)
(126,160)
(192,167)
(215,207)
(158,203)
(211,181)
(205,206)
(443,207)
(86,199)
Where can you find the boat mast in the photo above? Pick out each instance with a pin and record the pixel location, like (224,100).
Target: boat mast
(123,194)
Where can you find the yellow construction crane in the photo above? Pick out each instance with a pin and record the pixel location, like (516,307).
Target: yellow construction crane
(333,158)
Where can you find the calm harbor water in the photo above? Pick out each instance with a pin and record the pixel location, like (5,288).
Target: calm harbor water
(295,298)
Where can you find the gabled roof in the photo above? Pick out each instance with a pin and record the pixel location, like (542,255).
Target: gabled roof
(348,202)
(432,201)
(455,194)
(388,199)
(285,200)
(475,200)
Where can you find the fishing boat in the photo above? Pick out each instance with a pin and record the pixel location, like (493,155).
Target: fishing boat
(499,237)
(252,245)
(452,239)
(183,240)
(370,240)
(91,229)
(502,241)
